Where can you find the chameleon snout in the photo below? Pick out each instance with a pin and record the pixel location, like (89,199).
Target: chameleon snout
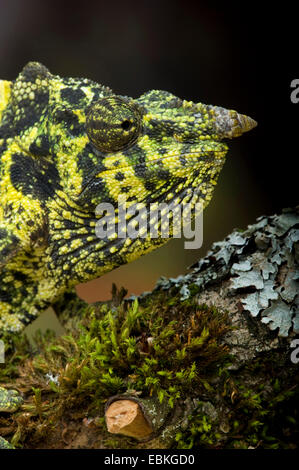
(230,123)
(243,124)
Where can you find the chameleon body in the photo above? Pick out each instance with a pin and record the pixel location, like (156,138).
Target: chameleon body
(68,144)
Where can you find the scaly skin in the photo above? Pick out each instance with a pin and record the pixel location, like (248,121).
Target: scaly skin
(67,144)
(10,400)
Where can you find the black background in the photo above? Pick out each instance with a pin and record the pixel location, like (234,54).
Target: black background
(241,56)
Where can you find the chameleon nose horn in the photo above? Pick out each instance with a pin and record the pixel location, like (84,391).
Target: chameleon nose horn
(230,124)
(245,123)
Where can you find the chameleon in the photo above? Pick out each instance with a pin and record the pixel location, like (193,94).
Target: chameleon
(69,144)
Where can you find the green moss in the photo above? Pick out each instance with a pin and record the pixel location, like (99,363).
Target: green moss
(256,416)
(200,433)
(272,415)
(158,348)
(164,348)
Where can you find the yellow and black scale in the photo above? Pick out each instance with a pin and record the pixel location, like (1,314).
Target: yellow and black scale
(68,144)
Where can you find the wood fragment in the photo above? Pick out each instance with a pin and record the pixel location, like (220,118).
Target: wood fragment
(126,417)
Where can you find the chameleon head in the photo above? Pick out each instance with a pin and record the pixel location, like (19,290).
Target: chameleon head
(153,149)
(97,146)
(158,146)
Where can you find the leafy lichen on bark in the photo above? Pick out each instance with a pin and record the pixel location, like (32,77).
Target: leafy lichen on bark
(196,345)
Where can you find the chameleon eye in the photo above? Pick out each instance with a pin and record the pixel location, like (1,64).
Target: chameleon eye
(113,124)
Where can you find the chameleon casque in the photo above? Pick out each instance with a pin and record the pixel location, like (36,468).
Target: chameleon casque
(67,144)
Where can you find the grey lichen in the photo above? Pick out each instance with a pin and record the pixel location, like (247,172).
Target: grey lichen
(278,315)
(262,265)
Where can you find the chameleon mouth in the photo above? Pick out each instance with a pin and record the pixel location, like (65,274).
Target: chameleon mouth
(185,162)
(207,156)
